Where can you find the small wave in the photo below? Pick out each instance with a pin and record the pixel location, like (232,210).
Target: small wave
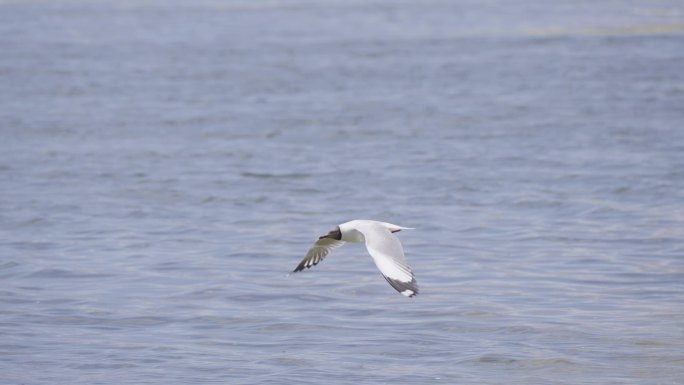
(8,265)
(266,175)
(63,273)
(525,362)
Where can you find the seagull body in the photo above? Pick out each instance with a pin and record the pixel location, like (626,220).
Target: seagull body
(382,245)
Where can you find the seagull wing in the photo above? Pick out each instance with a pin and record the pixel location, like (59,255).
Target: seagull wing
(318,252)
(388,256)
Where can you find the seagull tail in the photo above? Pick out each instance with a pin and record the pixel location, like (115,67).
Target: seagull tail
(395,228)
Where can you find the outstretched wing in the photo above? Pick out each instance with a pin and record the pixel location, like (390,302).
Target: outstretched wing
(388,256)
(318,252)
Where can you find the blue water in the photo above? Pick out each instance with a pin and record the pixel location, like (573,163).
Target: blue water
(164,165)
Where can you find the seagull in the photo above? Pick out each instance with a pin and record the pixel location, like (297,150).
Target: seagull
(382,245)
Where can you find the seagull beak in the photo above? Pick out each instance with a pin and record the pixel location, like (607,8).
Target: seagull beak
(324,236)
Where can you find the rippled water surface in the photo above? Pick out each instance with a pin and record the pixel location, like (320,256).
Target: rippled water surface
(164,165)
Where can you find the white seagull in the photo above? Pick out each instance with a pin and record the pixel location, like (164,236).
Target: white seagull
(382,245)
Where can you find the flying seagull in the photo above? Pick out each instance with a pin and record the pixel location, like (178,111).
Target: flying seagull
(382,245)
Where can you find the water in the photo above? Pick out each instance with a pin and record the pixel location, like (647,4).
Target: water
(164,165)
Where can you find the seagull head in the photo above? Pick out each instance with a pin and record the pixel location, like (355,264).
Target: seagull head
(335,233)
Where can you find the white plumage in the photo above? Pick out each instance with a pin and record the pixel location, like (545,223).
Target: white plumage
(382,245)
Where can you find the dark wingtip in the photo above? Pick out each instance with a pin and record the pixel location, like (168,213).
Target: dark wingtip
(299,267)
(402,287)
(303,265)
